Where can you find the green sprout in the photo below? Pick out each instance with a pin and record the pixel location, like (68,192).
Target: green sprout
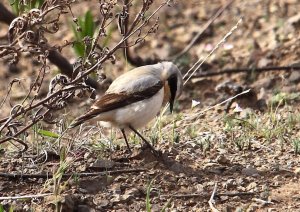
(82,28)
(20,7)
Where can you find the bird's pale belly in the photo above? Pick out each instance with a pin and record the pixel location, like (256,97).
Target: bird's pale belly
(136,114)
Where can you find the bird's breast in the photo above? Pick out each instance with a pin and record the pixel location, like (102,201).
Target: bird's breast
(167,93)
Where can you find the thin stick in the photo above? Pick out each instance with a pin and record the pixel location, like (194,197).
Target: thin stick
(221,103)
(206,195)
(210,53)
(240,70)
(264,202)
(212,201)
(88,174)
(26,196)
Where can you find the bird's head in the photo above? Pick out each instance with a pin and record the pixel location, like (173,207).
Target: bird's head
(173,77)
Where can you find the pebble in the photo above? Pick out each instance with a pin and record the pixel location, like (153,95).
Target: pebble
(294,77)
(252,186)
(297,171)
(230,183)
(250,171)
(221,159)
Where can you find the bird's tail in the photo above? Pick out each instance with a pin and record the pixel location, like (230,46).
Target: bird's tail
(81,119)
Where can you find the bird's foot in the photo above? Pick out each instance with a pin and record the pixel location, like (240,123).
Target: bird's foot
(156,153)
(128,151)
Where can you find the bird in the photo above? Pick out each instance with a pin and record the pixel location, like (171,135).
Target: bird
(136,97)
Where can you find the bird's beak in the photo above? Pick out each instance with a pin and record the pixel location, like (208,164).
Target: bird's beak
(172,82)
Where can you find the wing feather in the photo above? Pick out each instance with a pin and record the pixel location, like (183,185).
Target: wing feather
(112,101)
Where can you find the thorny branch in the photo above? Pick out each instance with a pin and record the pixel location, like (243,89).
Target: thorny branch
(123,28)
(28,33)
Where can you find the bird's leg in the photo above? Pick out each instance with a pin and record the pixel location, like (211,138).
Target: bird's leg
(124,135)
(148,144)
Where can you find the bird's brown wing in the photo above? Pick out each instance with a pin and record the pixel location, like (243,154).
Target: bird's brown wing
(112,101)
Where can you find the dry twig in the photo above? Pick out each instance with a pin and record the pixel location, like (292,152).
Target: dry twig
(212,201)
(241,70)
(207,195)
(87,174)
(34,196)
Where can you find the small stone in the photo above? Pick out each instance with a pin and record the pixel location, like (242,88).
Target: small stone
(103,203)
(224,198)
(222,160)
(81,168)
(296,197)
(278,178)
(230,183)
(26,208)
(250,171)
(87,155)
(194,179)
(236,198)
(116,188)
(266,83)
(240,181)
(257,163)
(294,20)
(119,178)
(200,188)
(245,114)
(103,164)
(252,186)
(263,62)
(69,203)
(132,192)
(2,186)
(115,198)
(83,208)
(93,185)
(294,77)
(234,168)
(126,197)
(210,183)
(253,207)
(297,171)
(241,188)
(176,167)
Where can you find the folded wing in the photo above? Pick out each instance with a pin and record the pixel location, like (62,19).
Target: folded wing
(112,101)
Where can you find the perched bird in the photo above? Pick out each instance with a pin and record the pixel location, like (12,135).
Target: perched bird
(136,97)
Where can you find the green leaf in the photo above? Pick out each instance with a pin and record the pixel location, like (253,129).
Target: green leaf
(149,188)
(1,208)
(11,209)
(89,24)
(15,6)
(79,48)
(47,133)
(20,7)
